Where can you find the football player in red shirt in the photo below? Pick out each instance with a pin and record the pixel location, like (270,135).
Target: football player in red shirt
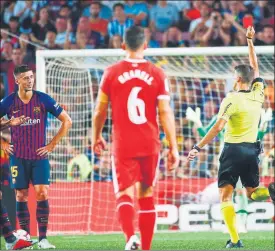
(135,88)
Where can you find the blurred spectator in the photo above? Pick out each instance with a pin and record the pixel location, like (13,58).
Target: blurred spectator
(5,37)
(193,12)
(105,10)
(14,25)
(98,24)
(151,43)
(221,32)
(103,170)
(56,5)
(210,110)
(183,8)
(25,9)
(236,9)
(27,49)
(163,16)
(61,27)
(116,42)
(120,21)
(267,37)
(81,42)
(41,27)
(203,22)
(172,38)
(8,11)
(65,11)
(261,9)
(138,11)
(93,38)
(9,66)
(6,52)
(50,41)
(216,35)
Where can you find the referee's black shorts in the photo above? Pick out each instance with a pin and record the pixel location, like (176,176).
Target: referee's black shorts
(239,160)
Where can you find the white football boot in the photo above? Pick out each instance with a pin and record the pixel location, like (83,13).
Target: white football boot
(133,243)
(45,244)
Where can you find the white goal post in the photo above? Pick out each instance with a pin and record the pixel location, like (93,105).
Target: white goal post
(81,194)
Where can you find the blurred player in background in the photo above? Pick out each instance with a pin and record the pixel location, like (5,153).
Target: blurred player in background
(28,150)
(135,88)
(240,198)
(239,158)
(12,242)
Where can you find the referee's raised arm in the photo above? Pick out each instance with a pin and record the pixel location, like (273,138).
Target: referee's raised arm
(252,54)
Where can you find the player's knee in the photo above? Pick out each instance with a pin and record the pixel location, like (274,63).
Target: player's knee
(0,195)
(128,191)
(42,194)
(225,198)
(22,195)
(145,191)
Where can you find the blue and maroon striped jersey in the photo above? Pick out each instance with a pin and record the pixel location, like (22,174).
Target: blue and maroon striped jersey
(30,136)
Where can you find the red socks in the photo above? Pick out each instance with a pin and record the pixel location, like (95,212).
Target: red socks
(125,209)
(147,219)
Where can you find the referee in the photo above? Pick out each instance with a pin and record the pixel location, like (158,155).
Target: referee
(241,111)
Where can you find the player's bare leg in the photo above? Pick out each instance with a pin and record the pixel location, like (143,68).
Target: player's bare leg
(147,214)
(229,215)
(42,215)
(22,210)
(126,213)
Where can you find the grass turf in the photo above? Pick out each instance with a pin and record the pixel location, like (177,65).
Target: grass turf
(163,241)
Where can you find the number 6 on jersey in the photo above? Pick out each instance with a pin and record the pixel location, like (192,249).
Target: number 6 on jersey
(136,107)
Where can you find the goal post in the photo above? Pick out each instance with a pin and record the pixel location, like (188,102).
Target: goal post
(81,194)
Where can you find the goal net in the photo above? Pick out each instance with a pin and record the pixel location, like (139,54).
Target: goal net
(82,195)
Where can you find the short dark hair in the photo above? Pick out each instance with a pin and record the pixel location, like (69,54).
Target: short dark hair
(134,37)
(21,69)
(14,18)
(96,3)
(65,6)
(268,26)
(246,72)
(118,5)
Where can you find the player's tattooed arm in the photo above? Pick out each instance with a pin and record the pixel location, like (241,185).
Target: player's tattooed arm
(4,124)
(252,54)
(65,126)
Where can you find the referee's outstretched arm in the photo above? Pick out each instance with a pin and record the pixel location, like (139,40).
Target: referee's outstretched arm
(252,54)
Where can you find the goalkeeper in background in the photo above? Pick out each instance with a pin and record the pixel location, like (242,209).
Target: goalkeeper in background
(240,197)
(241,111)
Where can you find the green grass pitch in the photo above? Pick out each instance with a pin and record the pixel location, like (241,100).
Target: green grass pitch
(164,241)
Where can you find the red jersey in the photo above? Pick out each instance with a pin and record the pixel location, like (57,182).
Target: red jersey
(133,88)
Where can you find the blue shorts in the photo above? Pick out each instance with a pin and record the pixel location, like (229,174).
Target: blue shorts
(23,171)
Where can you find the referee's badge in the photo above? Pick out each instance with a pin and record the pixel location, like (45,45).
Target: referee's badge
(36,109)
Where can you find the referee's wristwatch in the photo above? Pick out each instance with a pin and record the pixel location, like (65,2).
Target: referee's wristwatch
(197,148)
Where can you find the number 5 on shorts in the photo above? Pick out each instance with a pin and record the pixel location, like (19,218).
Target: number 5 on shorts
(14,171)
